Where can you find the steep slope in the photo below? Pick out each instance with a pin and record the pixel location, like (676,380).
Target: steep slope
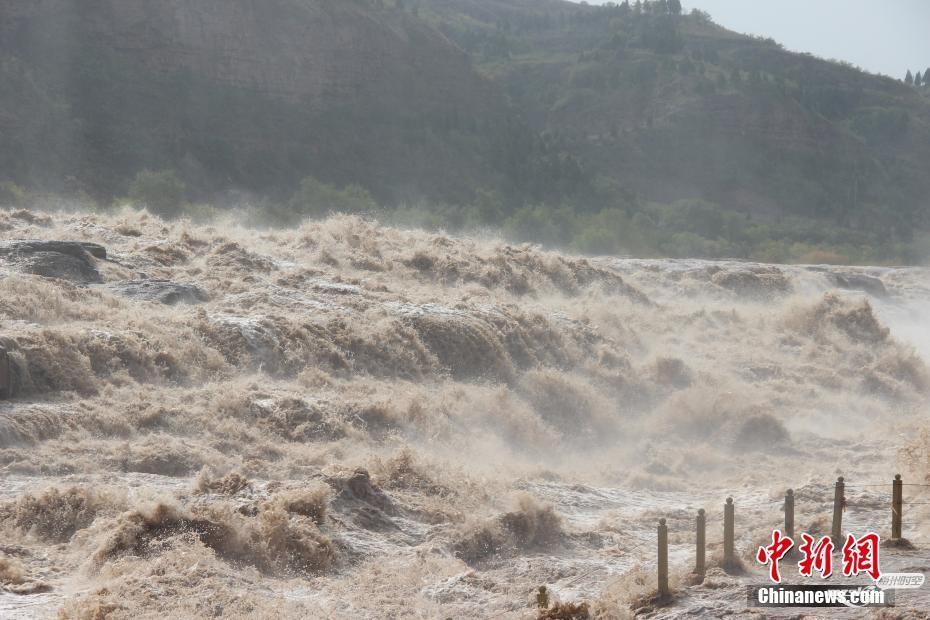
(605,129)
(244,94)
(675,107)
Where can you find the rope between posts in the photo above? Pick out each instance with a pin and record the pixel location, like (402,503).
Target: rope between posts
(578,578)
(639,547)
(919,495)
(884,484)
(839,503)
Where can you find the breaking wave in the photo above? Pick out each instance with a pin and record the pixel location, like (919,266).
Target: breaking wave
(236,414)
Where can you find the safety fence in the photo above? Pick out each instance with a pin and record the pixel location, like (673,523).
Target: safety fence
(730,561)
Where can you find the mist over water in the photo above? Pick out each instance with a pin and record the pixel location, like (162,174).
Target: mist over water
(351,420)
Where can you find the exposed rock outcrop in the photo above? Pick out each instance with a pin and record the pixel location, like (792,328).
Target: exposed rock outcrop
(303,85)
(66,260)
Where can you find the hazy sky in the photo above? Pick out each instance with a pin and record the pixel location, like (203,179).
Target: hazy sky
(882,36)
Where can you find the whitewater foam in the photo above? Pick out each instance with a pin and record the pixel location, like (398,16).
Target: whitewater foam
(360,421)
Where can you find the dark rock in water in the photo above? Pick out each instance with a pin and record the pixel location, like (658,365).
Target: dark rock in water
(73,248)
(161,291)
(67,260)
(859,282)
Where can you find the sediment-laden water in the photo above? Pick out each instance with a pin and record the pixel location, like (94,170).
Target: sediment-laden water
(348,420)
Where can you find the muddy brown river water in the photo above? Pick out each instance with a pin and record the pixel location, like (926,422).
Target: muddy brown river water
(347,420)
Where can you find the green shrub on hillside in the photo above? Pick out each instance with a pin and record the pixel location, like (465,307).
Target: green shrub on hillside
(11,194)
(878,125)
(542,224)
(317,199)
(161,192)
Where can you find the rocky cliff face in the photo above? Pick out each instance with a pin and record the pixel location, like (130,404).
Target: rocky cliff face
(676,107)
(309,50)
(309,64)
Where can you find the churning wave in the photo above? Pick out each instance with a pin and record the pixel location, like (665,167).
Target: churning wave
(351,419)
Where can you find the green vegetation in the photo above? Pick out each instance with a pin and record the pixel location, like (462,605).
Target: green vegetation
(160,192)
(316,199)
(11,194)
(685,228)
(918,80)
(623,128)
(679,230)
(800,154)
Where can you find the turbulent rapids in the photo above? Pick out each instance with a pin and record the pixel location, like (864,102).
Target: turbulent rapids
(348,420)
